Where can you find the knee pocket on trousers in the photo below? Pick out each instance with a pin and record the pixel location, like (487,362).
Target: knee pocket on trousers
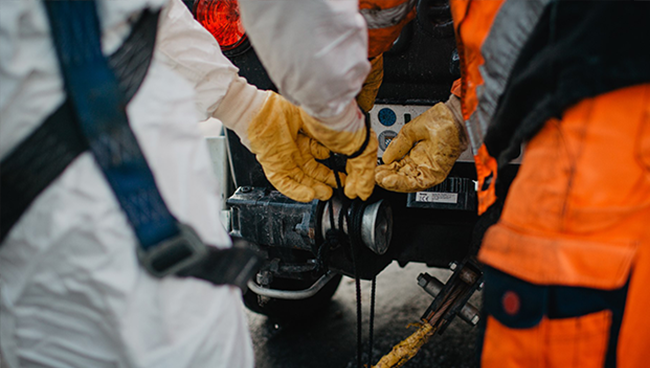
(520,333)
(514,303)
(579,342)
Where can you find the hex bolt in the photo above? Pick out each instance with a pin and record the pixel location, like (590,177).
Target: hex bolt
(422,280)
(469,314)
(264,278)
(430,284)
(468,276)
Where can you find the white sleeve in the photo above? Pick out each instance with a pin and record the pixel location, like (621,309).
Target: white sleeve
(190,50)
(315,51)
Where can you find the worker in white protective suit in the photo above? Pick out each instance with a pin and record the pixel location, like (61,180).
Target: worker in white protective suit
(71,290)
(322,77)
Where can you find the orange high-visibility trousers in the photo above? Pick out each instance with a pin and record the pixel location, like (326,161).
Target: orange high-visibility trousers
(576,220)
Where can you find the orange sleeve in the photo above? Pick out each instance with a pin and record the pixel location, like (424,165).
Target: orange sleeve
(455,88)
(381,39)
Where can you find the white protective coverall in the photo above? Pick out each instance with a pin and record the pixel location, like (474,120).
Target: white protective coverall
(72,293)
(316,53)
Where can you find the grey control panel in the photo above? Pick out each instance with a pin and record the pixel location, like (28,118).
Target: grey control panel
(387,120)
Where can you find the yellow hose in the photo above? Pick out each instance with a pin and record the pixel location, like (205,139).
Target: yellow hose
(407,349)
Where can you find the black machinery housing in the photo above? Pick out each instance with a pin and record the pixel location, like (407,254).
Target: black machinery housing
(419,70)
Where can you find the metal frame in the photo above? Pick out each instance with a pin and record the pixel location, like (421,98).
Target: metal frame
(292,294)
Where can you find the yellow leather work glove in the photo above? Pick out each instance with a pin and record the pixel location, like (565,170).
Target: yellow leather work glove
(286,154)
(423,152)
(270,127)
(346,134)
(366,98)
(310,151)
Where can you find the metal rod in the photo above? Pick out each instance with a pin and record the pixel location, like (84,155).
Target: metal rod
(432,286)
(292,294)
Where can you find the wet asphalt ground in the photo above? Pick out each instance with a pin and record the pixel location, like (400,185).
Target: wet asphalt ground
(329,339)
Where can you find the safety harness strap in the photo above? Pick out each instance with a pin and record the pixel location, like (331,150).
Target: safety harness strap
(97,106)
(100,110)
(366,140)
(44,155)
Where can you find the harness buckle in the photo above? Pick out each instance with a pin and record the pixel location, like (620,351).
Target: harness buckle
(174,254)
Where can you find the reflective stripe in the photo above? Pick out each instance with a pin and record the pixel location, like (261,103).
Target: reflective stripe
(475,132)
(383,18)
(510,30)
(486,172)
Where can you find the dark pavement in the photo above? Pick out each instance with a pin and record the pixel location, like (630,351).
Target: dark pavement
(329,340)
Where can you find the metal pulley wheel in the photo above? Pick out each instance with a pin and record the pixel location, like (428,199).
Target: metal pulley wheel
(372,223)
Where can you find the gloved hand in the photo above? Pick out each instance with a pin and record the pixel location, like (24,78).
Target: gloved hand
(287,142)
(346,133)
(424,151)
(366,98)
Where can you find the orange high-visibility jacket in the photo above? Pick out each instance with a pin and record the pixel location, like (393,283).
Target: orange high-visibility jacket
(578,213)
(524,62)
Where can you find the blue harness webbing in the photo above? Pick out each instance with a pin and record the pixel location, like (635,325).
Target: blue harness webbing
(94,116)
(39,159)
(166,246)
(101,113)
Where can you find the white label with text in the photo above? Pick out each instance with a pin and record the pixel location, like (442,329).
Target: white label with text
(436,197)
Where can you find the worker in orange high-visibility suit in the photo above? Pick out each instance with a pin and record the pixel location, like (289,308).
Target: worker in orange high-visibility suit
(568,262)
(385,20)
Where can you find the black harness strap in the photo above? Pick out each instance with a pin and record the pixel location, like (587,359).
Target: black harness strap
(44,155)
(366,140)
(336,237)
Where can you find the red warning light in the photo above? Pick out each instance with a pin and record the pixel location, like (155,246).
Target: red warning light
(221,18)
